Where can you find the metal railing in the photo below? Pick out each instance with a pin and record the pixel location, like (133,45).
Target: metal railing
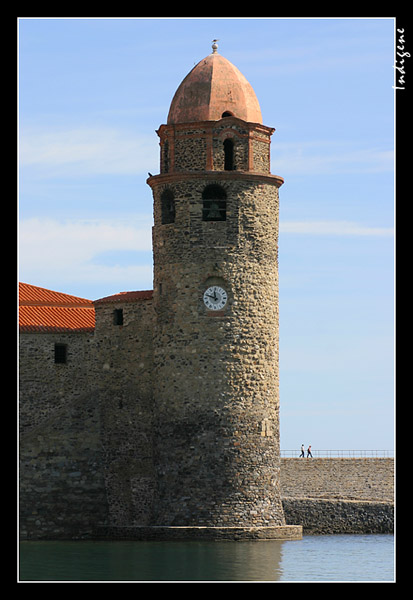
(340,453)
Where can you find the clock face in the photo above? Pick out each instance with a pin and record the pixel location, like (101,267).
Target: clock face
(215,297)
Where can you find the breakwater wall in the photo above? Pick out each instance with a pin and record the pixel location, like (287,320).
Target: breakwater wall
(339,495)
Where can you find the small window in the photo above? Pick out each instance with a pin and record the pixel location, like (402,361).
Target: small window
(229,155)
(60,354)
(214,206)
(167,207)
(226,114)
(118,316)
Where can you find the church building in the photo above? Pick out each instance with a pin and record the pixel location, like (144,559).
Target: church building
(155,414)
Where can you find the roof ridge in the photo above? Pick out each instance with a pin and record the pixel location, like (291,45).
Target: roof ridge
(127,296)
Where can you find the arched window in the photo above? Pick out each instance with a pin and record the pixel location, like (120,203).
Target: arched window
(214,206)
(229,155)
(167,207)
(226,114)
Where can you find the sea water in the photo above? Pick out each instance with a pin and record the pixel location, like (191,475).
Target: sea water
(330,558)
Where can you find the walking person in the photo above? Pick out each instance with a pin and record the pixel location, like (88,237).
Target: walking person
(309,452)
(302,451)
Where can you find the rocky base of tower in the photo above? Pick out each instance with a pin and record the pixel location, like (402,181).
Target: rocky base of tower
(183,533)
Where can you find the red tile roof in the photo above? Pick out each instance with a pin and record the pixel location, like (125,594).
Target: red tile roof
(42,310)
(126,297)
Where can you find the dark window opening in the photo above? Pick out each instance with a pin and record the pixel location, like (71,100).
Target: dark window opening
(60,353)
(167,207)
(229,155)
(226,114)
(214,203)
(118,316)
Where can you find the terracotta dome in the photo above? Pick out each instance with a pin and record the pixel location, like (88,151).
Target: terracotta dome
(214,88)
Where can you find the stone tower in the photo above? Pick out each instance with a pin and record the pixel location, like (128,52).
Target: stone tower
(215,241)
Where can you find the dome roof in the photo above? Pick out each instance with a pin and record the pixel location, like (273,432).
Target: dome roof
(212,89)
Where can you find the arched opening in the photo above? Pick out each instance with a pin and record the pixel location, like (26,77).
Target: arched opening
(226,114)
(214,207)
(229,155)
(167,207)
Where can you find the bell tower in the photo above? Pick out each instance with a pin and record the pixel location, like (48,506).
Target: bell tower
(215,245)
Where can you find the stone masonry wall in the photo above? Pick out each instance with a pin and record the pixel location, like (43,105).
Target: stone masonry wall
(61,484)
(327,517)
(216,386)
(62,491)
(339,495)
(45,386)
(86,427)
(122,367)
(370,479)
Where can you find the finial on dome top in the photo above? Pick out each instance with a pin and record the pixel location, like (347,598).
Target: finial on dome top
(214,46)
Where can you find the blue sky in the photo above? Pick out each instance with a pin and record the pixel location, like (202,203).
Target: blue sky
(92,93)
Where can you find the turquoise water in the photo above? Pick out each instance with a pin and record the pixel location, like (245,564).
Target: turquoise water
(361,558)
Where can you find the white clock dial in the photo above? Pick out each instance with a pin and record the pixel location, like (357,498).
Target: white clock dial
(215,297)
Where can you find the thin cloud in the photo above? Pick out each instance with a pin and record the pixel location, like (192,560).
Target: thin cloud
(339,228)
(82,239)
(72,251)
(79,152)
(322,158)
